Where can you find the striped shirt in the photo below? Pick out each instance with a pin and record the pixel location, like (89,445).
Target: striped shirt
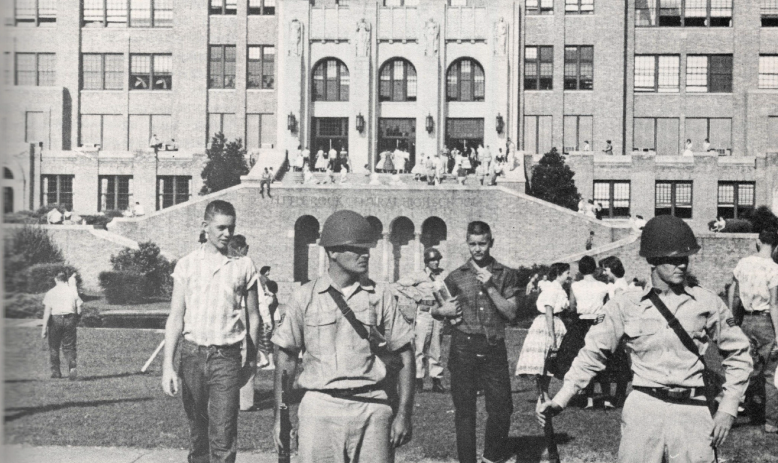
(214,285)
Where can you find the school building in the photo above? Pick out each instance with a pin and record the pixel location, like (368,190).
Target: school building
(90,83)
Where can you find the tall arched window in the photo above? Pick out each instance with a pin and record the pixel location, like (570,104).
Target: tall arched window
(398,81)
(465,81)
(330,80)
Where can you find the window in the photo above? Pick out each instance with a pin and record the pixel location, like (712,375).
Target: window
(142,13)
(144,126)
(397,81)
(224,123)
(261,67)
(674,198)
(57,189)
(229,7)
(413,3)
(709,73)
(151,13)
(457,2)
(540,6)
(614,197)
(538,68)
(736,199)
(538,132)
(102,71)
(768,71)
(769,10)
(260,130)
(221,69)
(717,131)
(151,72)
(262,7)
(330,81)
(577,131)
(35,127)
(465,81)
(114,192)
(36,69)
(35,12)
(105,130)
(657,73)
(172,190)
(683,13)
(579,68)
(579,6)
(657,134)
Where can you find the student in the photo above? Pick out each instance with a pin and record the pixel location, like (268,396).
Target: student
(61,314)
(208,286)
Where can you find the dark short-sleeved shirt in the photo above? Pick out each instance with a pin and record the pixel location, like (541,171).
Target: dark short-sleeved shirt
(479,314)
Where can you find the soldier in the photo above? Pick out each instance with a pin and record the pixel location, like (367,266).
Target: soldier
(666,414)
(349,330)
(428,328)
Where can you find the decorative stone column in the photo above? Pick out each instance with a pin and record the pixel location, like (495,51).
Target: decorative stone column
(387,248)
(417,252)
(322,257)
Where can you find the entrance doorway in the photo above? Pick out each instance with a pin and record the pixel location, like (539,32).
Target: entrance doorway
(8,200)
(329,133)
(394,134)
(464,133)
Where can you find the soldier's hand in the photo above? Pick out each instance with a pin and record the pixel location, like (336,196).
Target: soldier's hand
(169,381)
(277,435)
(722,423)
(450,308)
(544,409)
(44,332)
(401,431)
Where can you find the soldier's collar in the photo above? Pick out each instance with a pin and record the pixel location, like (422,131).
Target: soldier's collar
(685,289)
(324,282)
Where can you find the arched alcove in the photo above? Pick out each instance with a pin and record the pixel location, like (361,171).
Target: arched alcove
(401,236)
(306,232)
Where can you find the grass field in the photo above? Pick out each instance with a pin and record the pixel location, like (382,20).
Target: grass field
(114,405)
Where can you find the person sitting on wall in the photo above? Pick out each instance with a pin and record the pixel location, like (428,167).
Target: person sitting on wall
(138,210)
(54,217)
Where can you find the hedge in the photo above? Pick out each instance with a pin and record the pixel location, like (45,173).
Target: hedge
(124,287)
(24,306)
(39,278)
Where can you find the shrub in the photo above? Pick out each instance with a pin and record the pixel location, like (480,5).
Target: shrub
(225,165)
(763,219)
(27,246)
(97,221)
(24,306)
(552,181)
(39,278)
(148,261)
(23,217)
(124,287)
(90,317)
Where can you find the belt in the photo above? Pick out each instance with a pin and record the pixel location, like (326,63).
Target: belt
(214,348)
(683,395)
(427,303)
(352,391)
(759,313)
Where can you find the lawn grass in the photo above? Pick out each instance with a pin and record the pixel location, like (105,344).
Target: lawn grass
(114,405)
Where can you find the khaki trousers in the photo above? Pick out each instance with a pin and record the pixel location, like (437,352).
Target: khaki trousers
(655,431)
(427,341)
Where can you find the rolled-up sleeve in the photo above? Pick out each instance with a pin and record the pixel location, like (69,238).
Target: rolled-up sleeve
(734,347)
(601,341)
(510,286)
(397,330)
(289,334)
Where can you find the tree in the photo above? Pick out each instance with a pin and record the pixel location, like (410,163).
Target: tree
(552,181)
(226,163)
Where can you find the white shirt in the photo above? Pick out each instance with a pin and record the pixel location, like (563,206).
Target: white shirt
(589,296)
(617,287)
(61,299)
(552,295)
(756,275)
(139,210)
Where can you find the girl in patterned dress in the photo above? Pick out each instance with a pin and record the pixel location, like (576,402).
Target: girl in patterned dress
(547,330)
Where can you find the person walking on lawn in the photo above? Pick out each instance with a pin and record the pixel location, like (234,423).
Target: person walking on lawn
(667,327)
(61,314)
(357,355)
(755,279)
(484,295)
(208,286)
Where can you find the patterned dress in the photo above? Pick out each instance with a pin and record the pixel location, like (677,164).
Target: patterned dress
(538,341)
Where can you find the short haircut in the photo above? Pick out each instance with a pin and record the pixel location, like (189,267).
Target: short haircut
(557,269)
(61,277)
(614,264)
(237,242)
(219,207)
(769,236)
(272,286)
(587,265)
(264,269)
(479,228)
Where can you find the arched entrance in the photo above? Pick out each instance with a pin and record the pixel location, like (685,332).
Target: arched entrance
(434,233)
(376,253)
(8,192)
(306,232)
(401,236)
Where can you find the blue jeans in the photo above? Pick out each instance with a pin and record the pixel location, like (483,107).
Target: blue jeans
(474,362)
(62,333)
(210,390)
(759,328)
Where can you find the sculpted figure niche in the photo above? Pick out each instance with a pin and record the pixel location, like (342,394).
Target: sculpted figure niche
(363,38)
(500,37)
(431,34)
(295,37)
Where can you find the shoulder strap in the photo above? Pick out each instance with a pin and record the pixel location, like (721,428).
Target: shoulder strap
(686,340)
(348,313)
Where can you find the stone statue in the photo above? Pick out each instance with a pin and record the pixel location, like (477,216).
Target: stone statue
(501,37)
(295,37)
(431,33)
(363,38)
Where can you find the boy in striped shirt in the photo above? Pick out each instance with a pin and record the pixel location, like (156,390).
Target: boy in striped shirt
(206,310)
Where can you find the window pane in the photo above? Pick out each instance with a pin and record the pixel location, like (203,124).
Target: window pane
(411,86)
(140,72)
(140,13)
(645,12)
(531,68)
(721,73)
(25,69)
(163,13)
(254,67)
(163,72)
(114,72)
(116,12)
(47,65)
(216,68)
(229,66)
(93,11)
(268,67)
(92,71)
(696,73)
(768,71)
(570,134)
(318,83)
(344,82)
(645,73)
(669,73)
(621,199)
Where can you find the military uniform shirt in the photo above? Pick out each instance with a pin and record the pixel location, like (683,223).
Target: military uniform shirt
(659,359)
(334,356)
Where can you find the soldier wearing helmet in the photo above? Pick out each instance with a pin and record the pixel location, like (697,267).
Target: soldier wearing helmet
(343,322)
(666,413)
(420,287)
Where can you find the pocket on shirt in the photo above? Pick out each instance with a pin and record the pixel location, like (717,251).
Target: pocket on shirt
(321,332)
(641,333)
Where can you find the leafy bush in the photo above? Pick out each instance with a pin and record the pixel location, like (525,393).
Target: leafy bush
(124,287)
(24,306)
(39,278)
(226,163)
(148,261)
(23,217)
(763,219)
(27,246)
(552,181)
(90,317)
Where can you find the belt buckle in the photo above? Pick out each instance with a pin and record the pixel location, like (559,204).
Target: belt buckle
(679,393)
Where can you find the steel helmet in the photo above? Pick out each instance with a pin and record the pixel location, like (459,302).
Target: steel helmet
(432,254)
(667,236)
(347,228)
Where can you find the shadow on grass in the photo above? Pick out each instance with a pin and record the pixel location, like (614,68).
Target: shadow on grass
(14,413)
(530,449)
(83,378)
